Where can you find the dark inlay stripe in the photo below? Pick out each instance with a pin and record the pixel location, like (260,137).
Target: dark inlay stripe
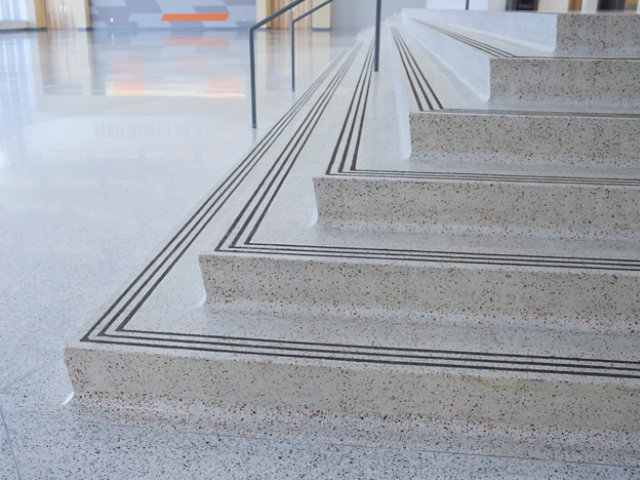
(478,45)
(180,242)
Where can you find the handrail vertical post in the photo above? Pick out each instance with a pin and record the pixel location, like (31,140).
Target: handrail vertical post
(293,39)
(252,68)
(467,6)
(252,61)
(378,20)
(293,55)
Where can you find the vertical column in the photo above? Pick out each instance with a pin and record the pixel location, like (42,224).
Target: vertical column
(589,6)
(261,10)
(322,18)
(78,11)
(36,14)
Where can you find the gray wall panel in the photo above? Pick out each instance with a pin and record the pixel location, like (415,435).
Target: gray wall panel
(359,14)
(148,13)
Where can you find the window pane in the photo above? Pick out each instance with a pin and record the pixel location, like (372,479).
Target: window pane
(11,10)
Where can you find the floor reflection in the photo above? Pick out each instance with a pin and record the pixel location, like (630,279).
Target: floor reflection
(62,90)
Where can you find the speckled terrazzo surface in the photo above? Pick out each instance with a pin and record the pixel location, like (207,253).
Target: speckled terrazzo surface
(560,210)
(115,446)
(301,315)
(509,74)
(607,143)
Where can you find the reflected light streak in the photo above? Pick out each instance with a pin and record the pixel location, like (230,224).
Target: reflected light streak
(133,90)
(217,88)
(195,42)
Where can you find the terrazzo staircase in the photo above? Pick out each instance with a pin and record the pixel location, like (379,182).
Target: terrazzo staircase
(541,262)
(509,73)
(480,297)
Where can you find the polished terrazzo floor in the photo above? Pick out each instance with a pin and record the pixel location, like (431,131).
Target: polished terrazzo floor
(107,142)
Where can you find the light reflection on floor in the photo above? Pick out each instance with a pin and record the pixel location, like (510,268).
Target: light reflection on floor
(106,143)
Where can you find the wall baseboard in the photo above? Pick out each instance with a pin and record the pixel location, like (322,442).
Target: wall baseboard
(13,25)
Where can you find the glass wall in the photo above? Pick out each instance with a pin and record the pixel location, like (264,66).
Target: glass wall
(12,10)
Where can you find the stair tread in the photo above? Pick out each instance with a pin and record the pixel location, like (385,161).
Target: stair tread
(497,47)
(505,73)
(447,247)
(600,34)
(451,151)
(456,95)
(488,45)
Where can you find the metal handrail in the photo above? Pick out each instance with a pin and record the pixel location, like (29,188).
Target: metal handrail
(293,40)
(252,63)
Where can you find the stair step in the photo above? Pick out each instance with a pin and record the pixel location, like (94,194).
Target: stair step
(447,124)
(499,345)
(591,297)
(483,204)
(528,139)
(375,390)
(508,75)
(609,34)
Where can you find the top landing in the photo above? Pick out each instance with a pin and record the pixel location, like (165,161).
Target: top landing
(569,34)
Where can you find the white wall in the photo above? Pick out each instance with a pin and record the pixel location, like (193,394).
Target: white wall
(495,5)
(359,14)
(446,4)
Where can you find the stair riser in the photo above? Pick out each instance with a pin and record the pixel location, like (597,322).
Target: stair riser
(597,83)
(498,139)
(615,35)
(543,297)
(531,209)
(489,398)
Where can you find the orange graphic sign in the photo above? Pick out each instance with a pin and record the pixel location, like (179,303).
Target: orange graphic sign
(195,17)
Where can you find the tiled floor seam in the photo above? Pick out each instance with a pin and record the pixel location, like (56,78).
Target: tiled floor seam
(10,443)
